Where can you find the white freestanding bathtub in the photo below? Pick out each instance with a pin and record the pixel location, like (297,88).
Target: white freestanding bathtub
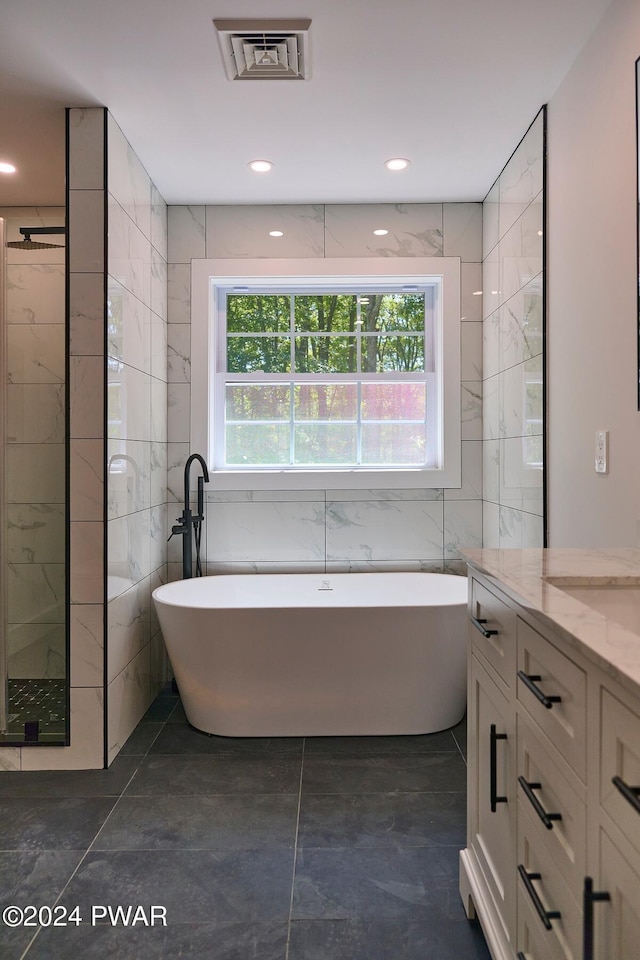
(286,655)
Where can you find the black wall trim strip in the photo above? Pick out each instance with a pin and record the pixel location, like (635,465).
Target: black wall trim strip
(67,443)
(545,280)
(105,454)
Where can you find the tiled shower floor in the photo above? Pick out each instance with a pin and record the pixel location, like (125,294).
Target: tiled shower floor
(281,849)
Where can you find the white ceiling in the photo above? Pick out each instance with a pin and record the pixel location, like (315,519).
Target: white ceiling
(450,84)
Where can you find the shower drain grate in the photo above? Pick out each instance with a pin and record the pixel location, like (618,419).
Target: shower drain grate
(41,701)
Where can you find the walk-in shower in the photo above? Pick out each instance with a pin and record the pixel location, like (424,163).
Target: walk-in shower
(34,689)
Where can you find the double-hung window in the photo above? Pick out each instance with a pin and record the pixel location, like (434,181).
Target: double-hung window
(334,378)
(320,379)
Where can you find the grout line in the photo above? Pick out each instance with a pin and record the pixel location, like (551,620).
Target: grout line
(325,530)
(29,945)
(295,853)
(117,798)
(109,815)
(139,759)
(455,740)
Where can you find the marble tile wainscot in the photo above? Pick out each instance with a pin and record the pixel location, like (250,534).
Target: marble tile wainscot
(329,530)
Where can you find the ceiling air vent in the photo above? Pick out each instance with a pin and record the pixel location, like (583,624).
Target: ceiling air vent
(264,49)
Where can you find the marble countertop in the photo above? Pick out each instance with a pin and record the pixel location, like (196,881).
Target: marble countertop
(525,575)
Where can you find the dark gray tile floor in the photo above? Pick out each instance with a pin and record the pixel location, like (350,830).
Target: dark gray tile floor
(257,849)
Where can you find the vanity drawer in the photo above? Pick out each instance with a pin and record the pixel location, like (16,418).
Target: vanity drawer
(620,759)
(556,810)
(532,940)
(553,689)
(617,920)
(549,893)
(490,615)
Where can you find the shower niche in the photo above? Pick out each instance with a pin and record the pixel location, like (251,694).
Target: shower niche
(34,647)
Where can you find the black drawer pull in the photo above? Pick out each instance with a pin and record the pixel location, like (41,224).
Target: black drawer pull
(631,794)
(530,680)
(480,625)
(590,897)
(547,818)
(493,772)
(545,915)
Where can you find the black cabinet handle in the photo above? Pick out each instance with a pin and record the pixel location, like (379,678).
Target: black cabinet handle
(631,794)
(530,680)
(493,772)
(521,955)
(590,896)
(480,625)
(547,818)
(545,915)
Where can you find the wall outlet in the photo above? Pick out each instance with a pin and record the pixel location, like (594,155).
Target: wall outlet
(602,451)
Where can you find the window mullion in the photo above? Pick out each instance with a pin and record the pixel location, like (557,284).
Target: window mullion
(292,363)
(220,386)
(292,432)
(433,416)
(358,336)
(359,424)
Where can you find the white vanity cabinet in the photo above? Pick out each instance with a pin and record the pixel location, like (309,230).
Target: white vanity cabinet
(491,809)
(616,920)
(492,764)
(552,863)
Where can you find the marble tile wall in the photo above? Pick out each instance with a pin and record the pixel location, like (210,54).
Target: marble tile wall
(35,425)
(117,276)
(329,530)
(513,299)
(136,436)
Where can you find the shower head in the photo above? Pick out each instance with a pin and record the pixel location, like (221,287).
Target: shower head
(28,244)
(32,245)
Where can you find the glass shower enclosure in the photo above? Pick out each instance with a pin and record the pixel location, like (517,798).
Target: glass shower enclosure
(34,647)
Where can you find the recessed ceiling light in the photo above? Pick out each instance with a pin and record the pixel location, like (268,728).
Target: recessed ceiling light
(276,233)
(381,233)
(539,233)
(478,293)
(397,163)
(260,166)
(7,168)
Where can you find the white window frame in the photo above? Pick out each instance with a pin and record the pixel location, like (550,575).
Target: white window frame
(208,276)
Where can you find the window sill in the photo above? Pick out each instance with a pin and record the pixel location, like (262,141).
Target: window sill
(333,479)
